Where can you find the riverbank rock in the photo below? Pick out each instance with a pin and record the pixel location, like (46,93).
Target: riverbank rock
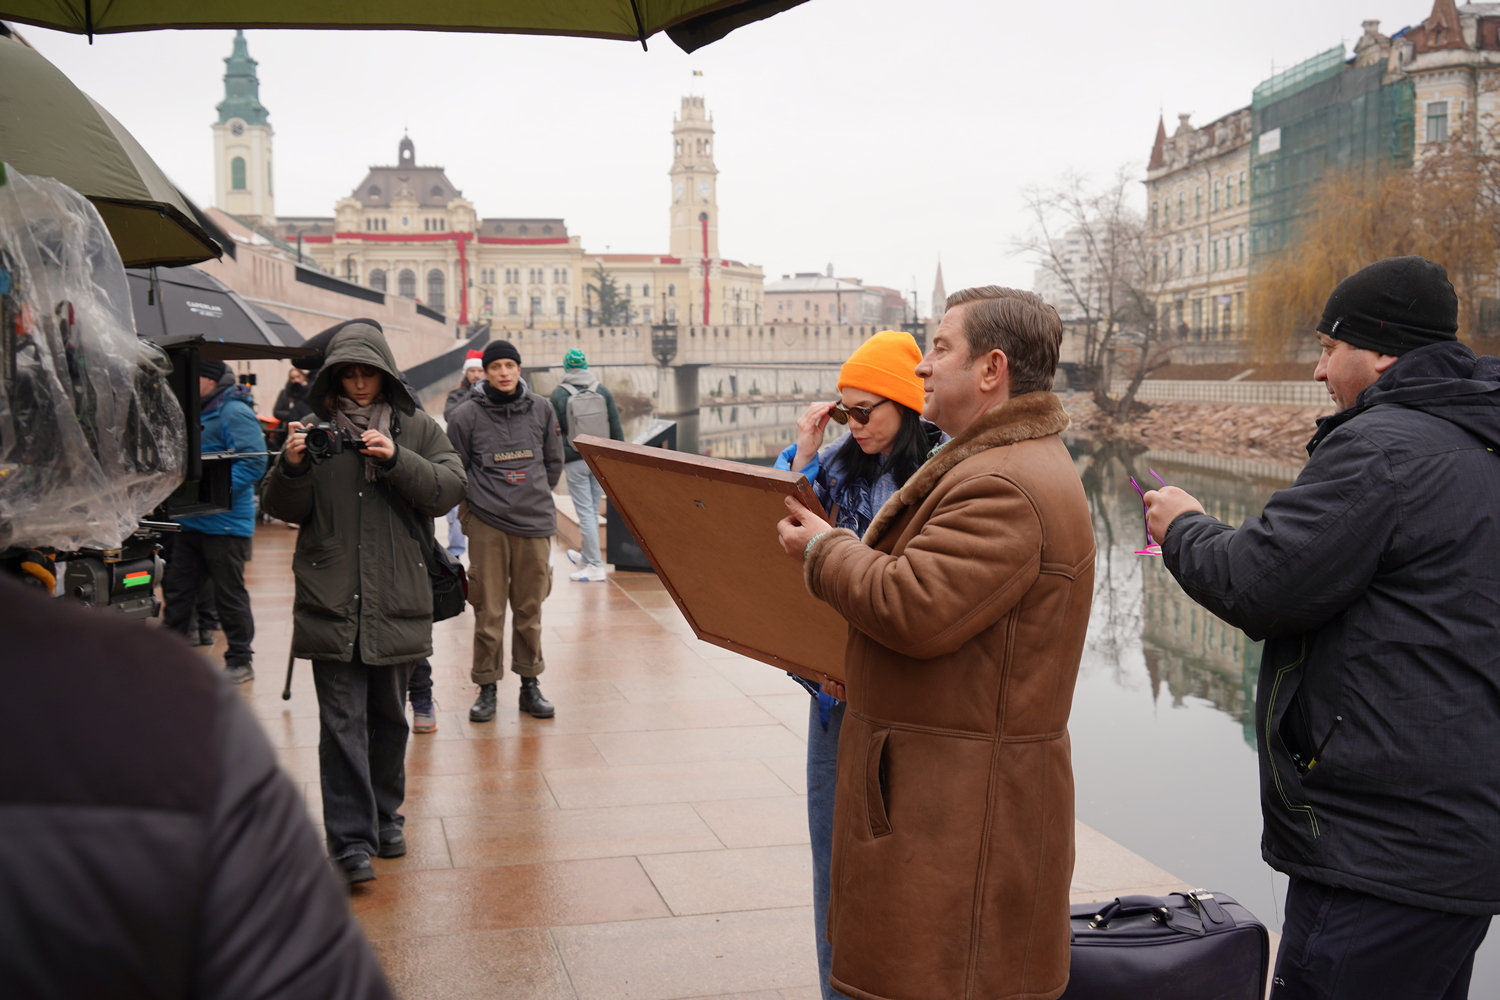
(1276,434)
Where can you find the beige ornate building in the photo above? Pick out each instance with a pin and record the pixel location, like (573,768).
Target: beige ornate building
(1198,212)
(407,229)
(1452,60)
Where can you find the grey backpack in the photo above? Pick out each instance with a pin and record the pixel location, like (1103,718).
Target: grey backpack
(588,413)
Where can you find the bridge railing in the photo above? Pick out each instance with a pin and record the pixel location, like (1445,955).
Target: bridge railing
(770,343)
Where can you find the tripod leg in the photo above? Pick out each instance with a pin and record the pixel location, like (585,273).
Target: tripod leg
(286,692)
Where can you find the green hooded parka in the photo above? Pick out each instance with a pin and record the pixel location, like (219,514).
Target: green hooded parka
(361,558)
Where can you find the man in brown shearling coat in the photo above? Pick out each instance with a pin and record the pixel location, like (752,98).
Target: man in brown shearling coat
(967,602)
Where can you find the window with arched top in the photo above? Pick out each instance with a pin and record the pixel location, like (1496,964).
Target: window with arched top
(435,290)
(406,283)
(546,230)
(374,191)
(377,280)
(671,291)
(437,192)
(237,173)
(523,229)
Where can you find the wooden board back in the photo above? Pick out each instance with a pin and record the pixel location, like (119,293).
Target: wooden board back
(709,528)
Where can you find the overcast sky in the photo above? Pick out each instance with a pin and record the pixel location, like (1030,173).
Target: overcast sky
(875,135)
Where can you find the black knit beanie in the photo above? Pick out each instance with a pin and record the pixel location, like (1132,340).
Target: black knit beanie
(498,349)
(1393,306)
(212,369)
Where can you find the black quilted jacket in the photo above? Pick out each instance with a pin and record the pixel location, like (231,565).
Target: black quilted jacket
(1375,581)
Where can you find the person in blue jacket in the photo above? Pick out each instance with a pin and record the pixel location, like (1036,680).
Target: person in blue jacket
(881,401)
(215,547)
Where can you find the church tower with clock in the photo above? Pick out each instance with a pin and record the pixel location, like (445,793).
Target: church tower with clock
(242,143)
(694,183)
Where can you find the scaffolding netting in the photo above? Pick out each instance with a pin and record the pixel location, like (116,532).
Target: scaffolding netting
(1319,117)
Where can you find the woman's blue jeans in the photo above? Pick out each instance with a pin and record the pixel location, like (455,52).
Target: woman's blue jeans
(822,777)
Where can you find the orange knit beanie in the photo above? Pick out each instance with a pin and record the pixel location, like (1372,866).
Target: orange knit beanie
(886,365)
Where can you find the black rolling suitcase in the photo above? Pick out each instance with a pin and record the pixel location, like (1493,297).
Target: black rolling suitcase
(1186,946)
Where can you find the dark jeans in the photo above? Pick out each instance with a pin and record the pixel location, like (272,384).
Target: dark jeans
(218,559)
(1340,944)
(206,612)
(822,778)
(419,688)
(361,752)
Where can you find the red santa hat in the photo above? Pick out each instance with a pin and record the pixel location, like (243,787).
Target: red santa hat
(475,359)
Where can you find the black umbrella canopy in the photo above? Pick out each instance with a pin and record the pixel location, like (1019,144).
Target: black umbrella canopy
(183,306)
(288,333)
(692,24)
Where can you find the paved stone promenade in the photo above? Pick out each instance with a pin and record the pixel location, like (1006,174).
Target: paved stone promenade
(649,843)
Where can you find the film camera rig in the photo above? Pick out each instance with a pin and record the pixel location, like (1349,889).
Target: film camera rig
(99,429)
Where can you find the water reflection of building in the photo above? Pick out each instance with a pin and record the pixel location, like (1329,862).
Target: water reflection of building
(1187,650)
(754,432)
(1193,653)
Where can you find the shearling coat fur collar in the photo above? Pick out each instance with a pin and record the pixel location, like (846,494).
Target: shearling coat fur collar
(1023,418)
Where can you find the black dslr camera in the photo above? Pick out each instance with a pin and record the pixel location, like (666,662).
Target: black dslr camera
(324,440)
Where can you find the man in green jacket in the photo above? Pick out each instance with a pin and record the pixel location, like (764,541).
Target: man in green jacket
(594,407)
(363,610)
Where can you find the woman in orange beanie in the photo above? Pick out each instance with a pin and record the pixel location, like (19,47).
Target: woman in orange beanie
(880,399)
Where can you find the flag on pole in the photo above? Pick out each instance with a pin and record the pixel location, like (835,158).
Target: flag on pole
(697,72)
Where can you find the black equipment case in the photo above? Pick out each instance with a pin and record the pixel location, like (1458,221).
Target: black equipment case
(1185,946)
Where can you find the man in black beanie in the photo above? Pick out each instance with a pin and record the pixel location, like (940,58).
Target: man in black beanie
(1375,582)
(508,440)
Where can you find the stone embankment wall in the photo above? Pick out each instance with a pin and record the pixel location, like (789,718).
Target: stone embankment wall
(1276,435)
(1304,392)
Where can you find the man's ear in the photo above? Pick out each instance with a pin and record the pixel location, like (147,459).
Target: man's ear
(1384,361)
(995,371)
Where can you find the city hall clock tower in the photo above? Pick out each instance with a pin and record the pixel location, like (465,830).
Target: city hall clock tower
(695,183)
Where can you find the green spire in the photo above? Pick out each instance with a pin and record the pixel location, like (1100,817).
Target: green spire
(241,87)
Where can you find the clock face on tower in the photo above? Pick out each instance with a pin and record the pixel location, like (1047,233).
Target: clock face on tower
(237,129)
(677,189)
(703,189)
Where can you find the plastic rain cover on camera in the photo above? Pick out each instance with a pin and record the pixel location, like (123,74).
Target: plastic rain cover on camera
(91,436)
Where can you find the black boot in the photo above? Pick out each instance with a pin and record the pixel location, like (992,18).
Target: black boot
(484,709)
(356,869)
(532,700)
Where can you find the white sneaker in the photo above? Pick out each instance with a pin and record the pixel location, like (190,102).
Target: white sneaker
(589,574)
(576,558)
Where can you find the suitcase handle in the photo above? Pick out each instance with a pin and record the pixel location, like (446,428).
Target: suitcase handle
(1129,906)
(1205,909)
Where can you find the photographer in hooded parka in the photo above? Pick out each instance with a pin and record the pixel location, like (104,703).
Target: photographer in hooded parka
(363,611)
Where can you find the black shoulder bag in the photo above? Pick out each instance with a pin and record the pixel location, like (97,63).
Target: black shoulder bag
(450,584)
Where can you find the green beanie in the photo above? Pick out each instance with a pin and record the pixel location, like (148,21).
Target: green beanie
(574,359)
